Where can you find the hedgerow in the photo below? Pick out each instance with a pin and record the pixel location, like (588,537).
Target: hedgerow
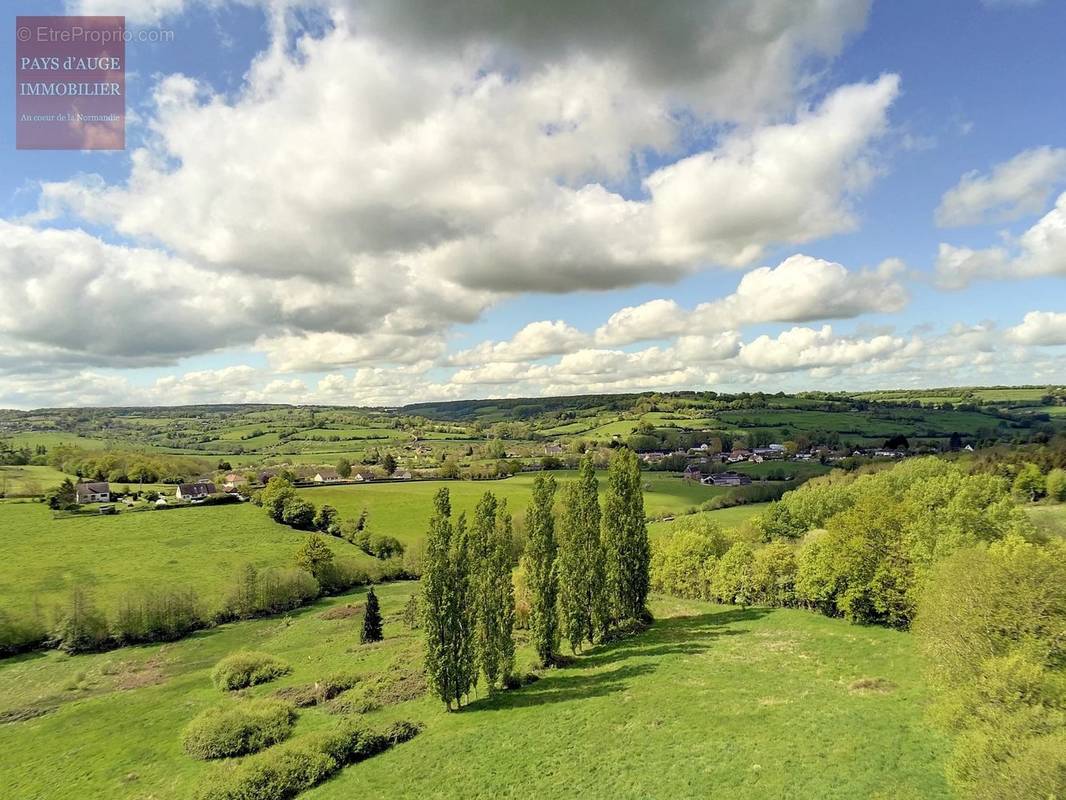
(296,766)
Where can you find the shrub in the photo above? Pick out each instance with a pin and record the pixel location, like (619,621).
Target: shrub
(238,729)
(18,634)
(1056,485)
(290,769)
(157,615)
(241,670)
(319,692)
(314,555)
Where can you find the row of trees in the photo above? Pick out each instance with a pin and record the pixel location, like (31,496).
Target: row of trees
(586,571)
(868,542)
(284,504)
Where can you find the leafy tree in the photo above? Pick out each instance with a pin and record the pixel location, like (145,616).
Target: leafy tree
(275,495)
(625,538)
(733,577)
(774,574)
(298,513)
(344,468)
(992,628)
(371,631)
(582,598)
(682,564)
(1056,484)
(326,520)
(314,556)
(1030,484)
(543,577)
(388,463)
(447,605)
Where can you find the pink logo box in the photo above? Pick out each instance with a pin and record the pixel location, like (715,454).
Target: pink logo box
(70,83)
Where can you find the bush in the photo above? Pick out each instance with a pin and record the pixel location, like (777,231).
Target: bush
(255,593)
(157,615)
(80,626)
(319,692)
(290,769)
(238,729)
(18,634)
(1056,485)
(241,670)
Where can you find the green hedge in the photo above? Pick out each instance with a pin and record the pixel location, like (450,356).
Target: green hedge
(244,669)
(238,729)
(294,767)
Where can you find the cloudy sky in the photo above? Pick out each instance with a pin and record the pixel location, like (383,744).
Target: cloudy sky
(390,201)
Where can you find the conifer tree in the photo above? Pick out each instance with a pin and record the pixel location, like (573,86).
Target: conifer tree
(371,631)
(543,577)
(625,538)
(581,563)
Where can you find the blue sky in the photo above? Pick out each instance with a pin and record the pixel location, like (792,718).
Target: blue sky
(374,213)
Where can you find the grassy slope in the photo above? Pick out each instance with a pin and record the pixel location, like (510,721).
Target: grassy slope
(403,509)
(195,547)
(29,480)
(726,517)
(1050,518)
(712,702)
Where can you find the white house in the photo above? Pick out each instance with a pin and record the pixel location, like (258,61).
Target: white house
(327,475)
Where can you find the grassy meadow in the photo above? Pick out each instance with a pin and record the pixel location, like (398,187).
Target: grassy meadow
(403,509)
(711,701)
(198,547)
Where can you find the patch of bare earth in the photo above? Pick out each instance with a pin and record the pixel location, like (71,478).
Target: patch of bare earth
(342,612)
(871,686)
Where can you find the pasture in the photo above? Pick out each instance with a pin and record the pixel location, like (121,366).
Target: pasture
(743,704)
(403,509)
(199,548)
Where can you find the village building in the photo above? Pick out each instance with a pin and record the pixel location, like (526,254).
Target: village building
(327,475)
(99,492)
(727,479)
(195,491)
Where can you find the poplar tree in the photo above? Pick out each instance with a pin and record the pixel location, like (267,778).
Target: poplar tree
(625,538)
(446,606)
(543,578)
(503,595)
(371,631)
(581,567)
(482,536)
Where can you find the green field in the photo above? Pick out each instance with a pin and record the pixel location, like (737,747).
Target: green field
(28,481)
(725,517)
(403,509)
(198,548)
(711,702)
(1050,518)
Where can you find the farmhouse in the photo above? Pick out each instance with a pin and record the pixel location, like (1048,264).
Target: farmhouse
(194,491)
(727,479)
(327,475)
(92,493)
(553,449)
(692,473)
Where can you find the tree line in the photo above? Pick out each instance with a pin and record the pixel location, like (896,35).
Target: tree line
(586,568)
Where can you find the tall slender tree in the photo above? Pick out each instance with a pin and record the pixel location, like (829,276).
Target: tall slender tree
(625,538)
(581,563)
(446,606)
(490,549)
(543,577)
(503,595)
